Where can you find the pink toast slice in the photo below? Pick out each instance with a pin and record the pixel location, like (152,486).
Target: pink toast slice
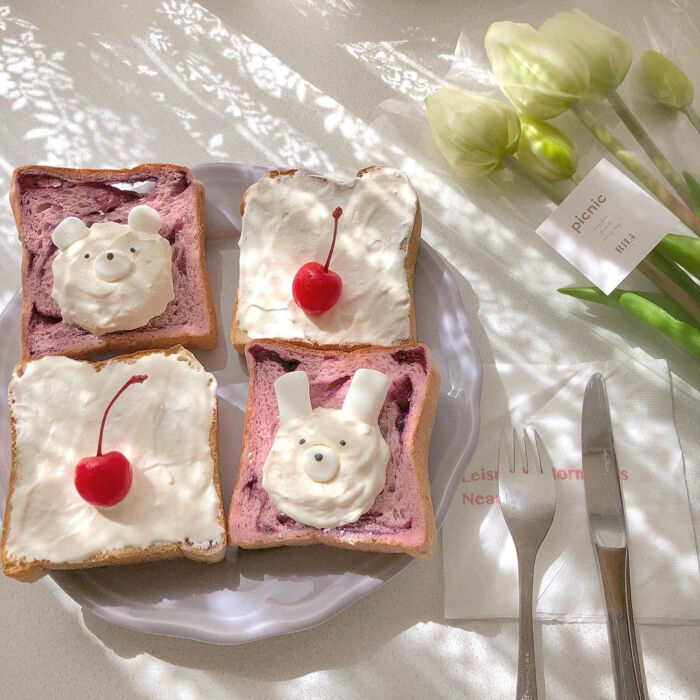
(42,196)
(401,519)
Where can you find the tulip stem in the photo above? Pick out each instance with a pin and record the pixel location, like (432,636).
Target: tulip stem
(517,167)
(615,146)
(693,116)
(576,178)
(650,148)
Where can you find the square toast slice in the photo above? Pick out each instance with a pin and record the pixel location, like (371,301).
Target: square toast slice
(401,518)
(41,197)
(166,427)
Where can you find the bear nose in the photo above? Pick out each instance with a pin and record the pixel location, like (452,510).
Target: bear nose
(320,462)
(112,265)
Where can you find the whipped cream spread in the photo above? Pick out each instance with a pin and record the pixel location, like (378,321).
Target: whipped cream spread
(287,222)
(327,466)
(112,277)
(163,429)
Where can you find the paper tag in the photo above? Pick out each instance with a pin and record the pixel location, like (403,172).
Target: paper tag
(606,226)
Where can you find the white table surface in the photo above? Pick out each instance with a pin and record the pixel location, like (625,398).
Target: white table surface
(102,84)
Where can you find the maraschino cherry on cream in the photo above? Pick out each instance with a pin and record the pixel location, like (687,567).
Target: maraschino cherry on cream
(105,479)
(316,288)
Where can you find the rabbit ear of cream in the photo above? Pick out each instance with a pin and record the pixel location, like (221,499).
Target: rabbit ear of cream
(292,390)
(366,395)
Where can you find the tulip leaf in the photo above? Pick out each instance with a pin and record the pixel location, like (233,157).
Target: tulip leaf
(694,189)
(685,250)
(675,273)
(656,310)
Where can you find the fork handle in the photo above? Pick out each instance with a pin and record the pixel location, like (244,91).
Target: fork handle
(527,668)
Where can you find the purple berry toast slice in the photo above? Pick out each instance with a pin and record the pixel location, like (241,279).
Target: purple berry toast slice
(42,197)
(400,519)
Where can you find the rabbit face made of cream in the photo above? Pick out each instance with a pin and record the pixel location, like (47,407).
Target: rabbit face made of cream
(327,466)
(112,277)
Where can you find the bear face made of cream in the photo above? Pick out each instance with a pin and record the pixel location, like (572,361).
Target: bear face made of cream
(327,466)
(112,277)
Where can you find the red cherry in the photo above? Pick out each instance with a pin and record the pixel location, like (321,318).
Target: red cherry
(104,480)
(316,288)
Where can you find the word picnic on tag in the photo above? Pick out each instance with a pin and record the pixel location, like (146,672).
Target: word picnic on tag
(606,226)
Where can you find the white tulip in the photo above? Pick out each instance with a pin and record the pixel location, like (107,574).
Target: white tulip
(473,132)
(541,76)
(606,52)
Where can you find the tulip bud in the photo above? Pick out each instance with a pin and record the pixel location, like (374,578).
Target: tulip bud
(541,76)
(666,81)
(606,52)
(473,132)
(546,150)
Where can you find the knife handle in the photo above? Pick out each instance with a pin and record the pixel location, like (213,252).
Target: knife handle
(614,573)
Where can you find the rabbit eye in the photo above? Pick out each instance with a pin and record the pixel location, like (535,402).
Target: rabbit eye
(302,441)
(343,443)
(133,250)
(86,256)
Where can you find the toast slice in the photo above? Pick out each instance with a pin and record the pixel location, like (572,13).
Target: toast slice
(401,518)
(173,508)
(41,197)
(287,222)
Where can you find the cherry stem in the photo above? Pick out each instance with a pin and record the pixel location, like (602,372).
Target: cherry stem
(336,215)
(136,379)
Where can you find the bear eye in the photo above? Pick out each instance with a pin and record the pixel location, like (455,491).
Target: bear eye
(86,256)
(343,443)
(110,256)
(302,441)
(133,250)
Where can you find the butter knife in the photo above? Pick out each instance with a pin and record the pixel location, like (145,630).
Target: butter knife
(606,521)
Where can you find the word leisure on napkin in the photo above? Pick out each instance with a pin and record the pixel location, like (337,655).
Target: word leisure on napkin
(479,560)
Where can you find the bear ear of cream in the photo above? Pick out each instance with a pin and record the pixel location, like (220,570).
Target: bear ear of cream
(366,395)
(293,401)
(145,218)
(69,231)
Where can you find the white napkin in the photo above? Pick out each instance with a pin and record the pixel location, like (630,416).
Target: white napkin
(478,554)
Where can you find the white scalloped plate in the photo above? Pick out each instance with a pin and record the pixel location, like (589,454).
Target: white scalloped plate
(252,595)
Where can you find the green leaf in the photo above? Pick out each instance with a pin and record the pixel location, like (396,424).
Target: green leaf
(685,250)
(694,189)
(654,309)
(675,273)
(670,306)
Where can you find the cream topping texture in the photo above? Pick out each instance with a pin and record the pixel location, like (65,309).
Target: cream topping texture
(113,278)
(358,468)
(287,222)
(58,404)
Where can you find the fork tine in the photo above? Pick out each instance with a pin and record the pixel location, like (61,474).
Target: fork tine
(546,464)
(504,460)
(518,459)
(531,457)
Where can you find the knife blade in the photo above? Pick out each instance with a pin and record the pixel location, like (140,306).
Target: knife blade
(608,528)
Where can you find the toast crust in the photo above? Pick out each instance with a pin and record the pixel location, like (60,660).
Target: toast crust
(419,457)
(29,571)
(119,341)
(240,338)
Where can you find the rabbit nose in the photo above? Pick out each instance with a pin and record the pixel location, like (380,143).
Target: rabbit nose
(112,265)
(320,462)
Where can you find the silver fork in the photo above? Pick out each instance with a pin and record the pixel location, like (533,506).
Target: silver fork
(528,499)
